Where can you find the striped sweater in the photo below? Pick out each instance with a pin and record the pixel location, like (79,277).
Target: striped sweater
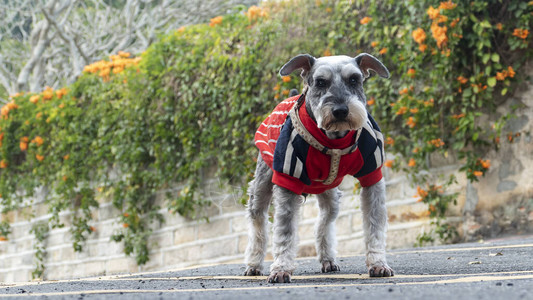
(300,167)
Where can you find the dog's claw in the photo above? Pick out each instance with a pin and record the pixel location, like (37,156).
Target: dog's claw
(251,271)
(279,277)
(330,266)
(380,271)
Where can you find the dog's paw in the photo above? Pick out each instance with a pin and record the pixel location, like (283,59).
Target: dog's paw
(252,271)
(279,277)
(330,266)
(380,271)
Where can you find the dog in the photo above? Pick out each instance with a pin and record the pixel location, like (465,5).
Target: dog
(307,145)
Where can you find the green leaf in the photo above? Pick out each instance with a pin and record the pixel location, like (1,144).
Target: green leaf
(504,91)
(485,58)
(495,57)
(491,81)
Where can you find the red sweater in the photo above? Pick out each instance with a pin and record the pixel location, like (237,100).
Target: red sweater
(301,168)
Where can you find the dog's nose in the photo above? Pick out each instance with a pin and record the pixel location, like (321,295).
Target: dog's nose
(340,112)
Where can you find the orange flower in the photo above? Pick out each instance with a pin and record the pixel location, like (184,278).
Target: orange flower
(429,103)
(23,146)
(420,192)
(501,75)
(462,80)
(3,164)
(459,116)
(433,12)
(92,229)
(388,163)
(48,93)
(439,34)
(478,173)
(3,238)
(485,163)
(374,44)
(414,110)
(383,51)
(403,91)
(285,92)
(277,87)
(181,29)
(125,225)
(402,110)
(511,71)
(371,101)
(61,92)
(412,162)
(411,72)
(389,141)
(447,5)
(35,98)
(365,20)
(419,35)
(255,12)
(521,33)
(286,79)
(124,54)
(215,21)
(436,142)
(39,157)
(454,22)
(66,157)
(416,150)
(65,178)
(326,53)
(411,122)
(126,214)
(422,47)
(499,26)
(38,140)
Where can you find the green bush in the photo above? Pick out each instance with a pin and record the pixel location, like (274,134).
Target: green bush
(130,128)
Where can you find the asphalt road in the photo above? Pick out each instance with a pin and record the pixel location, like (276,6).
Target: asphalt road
(497,269)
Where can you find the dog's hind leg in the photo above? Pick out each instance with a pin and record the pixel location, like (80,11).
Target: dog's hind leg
(326,240)
(260,196)
(375,227)
(287,205)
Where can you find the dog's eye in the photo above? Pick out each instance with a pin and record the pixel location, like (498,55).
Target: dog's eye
(321,83)
(353,80)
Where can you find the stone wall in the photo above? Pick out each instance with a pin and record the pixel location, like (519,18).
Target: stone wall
(500,203)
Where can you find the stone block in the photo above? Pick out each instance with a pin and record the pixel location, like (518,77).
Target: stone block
(306,231)
(310,210)
(161,239)
(219,248)
(120,266)
(343,225)
(242,244)
(179,256)
(185,234)
(239,224)
(215,228)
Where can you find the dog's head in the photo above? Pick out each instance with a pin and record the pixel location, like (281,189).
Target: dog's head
(335,96)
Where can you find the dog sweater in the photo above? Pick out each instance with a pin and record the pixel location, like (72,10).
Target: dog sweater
(304,169)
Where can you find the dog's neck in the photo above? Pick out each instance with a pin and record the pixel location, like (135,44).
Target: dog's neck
(332,135)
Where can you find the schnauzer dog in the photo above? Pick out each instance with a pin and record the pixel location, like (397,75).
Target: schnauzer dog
(307,145)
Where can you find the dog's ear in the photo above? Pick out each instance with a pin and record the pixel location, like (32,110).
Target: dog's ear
(368,62)
(302,61)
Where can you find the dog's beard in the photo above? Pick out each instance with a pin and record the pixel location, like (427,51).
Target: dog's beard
(356,119)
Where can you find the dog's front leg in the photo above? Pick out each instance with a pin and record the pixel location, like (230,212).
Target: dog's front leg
(284,239)
(374,227)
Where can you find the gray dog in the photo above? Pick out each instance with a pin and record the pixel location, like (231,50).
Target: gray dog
(307,145)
